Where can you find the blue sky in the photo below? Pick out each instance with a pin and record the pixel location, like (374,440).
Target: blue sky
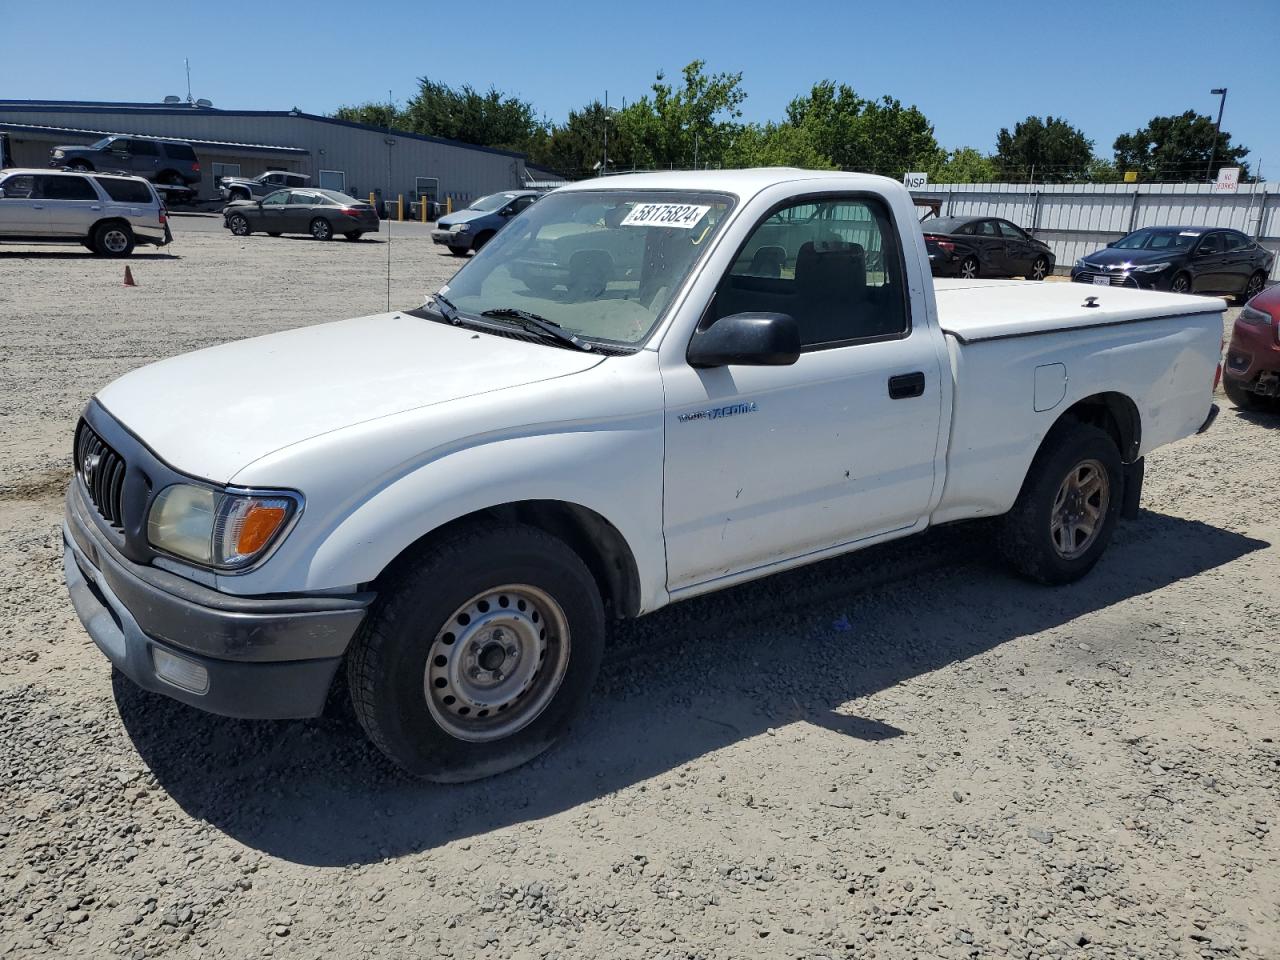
(972,68)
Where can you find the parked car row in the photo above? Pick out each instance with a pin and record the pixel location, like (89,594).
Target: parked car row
(108,214)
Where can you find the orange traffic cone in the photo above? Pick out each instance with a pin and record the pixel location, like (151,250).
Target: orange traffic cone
(128,278)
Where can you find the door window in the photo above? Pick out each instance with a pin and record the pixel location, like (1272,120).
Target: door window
(144,148)
(119,147)
(303,199)
(65,187)
(1009,231)
(1210,245)
(275,179)
(521,202)
(832,264)
(19,187)
(1237,242)
(985,228)
(279,198)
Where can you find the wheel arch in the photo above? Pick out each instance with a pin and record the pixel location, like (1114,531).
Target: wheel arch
(1114,412)
(599,544)
(98,224)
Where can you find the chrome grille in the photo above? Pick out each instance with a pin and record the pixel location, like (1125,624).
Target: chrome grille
(101,470)
(1114,279)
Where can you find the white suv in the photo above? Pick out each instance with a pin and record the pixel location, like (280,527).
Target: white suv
(108,214)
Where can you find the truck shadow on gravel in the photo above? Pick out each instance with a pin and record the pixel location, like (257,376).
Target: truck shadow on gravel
(677,685)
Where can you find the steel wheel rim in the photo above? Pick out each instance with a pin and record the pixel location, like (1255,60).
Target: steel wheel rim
(1080,509)
(320,229)
(496,663)
(968,270)
(115,241)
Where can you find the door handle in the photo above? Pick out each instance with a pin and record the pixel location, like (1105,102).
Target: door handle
(906,385)
(96,207)
(37,206)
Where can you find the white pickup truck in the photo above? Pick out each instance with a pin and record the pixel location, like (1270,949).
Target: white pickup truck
(645,388)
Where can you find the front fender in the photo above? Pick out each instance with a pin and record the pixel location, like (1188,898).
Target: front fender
(613,469)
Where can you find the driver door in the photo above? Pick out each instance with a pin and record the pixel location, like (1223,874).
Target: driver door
(768,463)
(271,215)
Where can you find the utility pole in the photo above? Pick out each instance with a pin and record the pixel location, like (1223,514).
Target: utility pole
(187,61)
(1217,129)
(604,167)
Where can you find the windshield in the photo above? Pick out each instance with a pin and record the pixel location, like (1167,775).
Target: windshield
(101,144)
(495,201)
(601,264)
(1159,240)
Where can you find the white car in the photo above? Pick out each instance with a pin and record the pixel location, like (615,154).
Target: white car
(108,214)
(449,502)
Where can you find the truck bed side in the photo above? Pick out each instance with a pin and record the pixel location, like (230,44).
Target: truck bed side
(1013,384)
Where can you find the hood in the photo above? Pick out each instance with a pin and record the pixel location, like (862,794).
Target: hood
(1112,256)
(70,147)
(463,216)
(213,412)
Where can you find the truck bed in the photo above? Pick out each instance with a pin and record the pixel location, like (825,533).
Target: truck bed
(975,310)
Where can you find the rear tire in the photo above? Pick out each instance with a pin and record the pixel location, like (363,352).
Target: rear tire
(450,677)
(239,225)
(113,239)
(1068,507)
(969,268)
(354,235)
(272,233)
(321,229)
(1257,283)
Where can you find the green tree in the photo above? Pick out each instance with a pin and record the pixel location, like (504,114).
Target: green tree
(1049,150)
(376,114)
(490,119)
(683,126)
(1103,171)
(965,165)
(775,145)
(576,147)
(1178,148)
(880,136)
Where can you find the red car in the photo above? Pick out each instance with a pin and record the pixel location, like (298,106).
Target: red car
(1251,377)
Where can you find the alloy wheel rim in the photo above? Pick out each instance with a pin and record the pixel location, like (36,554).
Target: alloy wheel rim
(320,230)
(496,663)
(1254,288)
(968,270)
(1080,509)
(1180,285)
(238,226)
(1038,270)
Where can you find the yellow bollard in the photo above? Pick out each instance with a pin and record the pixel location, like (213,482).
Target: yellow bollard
(372,201)
(448,205)
(400,207)
(422,209)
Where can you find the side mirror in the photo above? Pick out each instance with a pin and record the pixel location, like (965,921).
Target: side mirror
(1,193)
(1112,243)
(748,339)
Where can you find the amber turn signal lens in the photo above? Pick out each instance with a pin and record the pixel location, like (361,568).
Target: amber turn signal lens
(258,527)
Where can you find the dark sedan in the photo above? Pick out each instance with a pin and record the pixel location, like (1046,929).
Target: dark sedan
(1180,260)
(984,247)
(321,213)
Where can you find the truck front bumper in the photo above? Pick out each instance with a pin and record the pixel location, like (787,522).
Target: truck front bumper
(262,658)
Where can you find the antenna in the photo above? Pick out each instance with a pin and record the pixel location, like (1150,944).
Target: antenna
(391,106)
(187,61)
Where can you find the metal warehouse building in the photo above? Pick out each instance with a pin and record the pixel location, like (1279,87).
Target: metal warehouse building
(338,154)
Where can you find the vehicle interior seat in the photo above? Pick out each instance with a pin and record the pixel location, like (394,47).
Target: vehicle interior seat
(831,291)
(589,273)
(768,262)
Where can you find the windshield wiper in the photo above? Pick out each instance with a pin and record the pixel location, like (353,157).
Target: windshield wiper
(534,323)
(445,307)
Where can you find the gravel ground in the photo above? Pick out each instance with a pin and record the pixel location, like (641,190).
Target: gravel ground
(907,753)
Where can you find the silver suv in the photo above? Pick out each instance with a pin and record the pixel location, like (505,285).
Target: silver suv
(108,214)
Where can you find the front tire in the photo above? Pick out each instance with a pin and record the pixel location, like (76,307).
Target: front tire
(459,251)
(1068,507)
(239,225)
(481,240)
(1247,399)
(113,240)
(478,653)
(321,229)
(1181,284)
(1039,269)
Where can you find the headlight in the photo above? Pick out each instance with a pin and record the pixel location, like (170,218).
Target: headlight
(460,228)
(1150,267)
(59,154)
(215,529)
(1080,264)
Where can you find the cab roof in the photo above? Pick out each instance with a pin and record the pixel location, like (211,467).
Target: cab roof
(741,183)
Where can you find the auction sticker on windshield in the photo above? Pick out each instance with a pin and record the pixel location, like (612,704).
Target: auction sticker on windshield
(682,215)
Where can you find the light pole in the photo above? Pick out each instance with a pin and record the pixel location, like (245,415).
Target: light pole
(1217,128)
